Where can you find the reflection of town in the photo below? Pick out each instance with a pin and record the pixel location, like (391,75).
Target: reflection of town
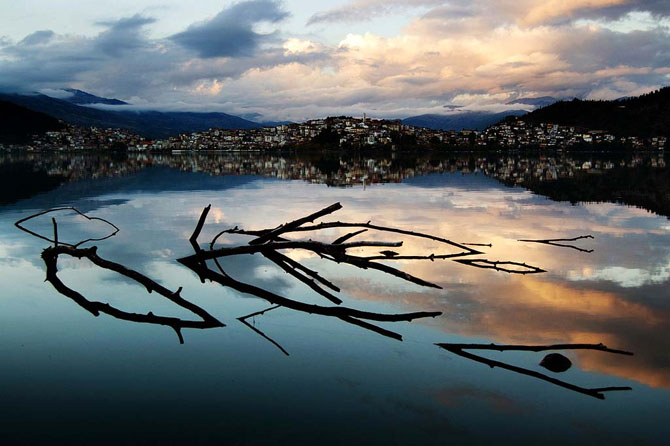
(337,170)
(345,133)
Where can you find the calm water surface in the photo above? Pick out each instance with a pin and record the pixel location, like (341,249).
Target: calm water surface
(70,377)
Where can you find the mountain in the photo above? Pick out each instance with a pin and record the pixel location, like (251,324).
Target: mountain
(460,121)
(542,101)
(81,97)
(150,124)
(646,115)
(18,123)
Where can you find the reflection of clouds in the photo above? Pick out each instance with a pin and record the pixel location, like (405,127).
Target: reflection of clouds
(454,397)
(625,277)
(619,299)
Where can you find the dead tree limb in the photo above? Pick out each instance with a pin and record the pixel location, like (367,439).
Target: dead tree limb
(243,319)
(226,280)
(288,227)
(501,266)
(595,393)
(552,242)
(536,348)
(50,256)
(279,261)
(19,224)
(346,237)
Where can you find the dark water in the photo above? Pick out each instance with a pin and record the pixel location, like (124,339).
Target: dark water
(70,377)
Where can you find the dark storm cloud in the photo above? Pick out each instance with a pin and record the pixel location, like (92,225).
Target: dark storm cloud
(230,33)
(658,8)
(123,35)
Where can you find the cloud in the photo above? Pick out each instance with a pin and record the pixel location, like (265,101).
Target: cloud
(458,52)
(122,35)
(522,12)
(360,10)
(230,33)
(38,37)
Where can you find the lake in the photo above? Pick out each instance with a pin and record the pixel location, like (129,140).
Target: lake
(291,376)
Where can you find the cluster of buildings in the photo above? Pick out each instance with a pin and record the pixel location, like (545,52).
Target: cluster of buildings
(518,133)
(73,137)
(344,133)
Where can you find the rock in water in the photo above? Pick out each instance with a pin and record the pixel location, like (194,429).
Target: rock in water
(556,362)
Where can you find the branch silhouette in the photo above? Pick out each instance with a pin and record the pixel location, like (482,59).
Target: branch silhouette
(460,350)
(552,242)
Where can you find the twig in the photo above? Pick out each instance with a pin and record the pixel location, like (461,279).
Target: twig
(272,255)
(368,225)
(595,393)
(226,280)
(309,245)
(552,242)
(536,348)
(50,256)
(55,225)
(496,265)
(346,237)
(19,224)
(243,319)
(288,227)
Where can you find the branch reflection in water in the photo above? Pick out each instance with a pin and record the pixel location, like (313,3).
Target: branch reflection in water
(269,242)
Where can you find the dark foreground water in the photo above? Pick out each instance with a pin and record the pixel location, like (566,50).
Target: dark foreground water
(69,377)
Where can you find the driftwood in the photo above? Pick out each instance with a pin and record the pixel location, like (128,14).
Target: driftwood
(332,251)
(269,243)
(243,319)
(460,350)
(553,242)
(501,266)
(50,256)
(19,224)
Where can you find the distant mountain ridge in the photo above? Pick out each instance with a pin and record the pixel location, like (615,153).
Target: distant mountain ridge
(150,124)
(541,101)
(644,116)
(82,98)
(460,121)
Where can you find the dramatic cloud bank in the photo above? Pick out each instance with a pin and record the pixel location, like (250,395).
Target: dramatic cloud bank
(479,54)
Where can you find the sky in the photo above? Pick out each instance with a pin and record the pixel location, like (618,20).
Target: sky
(299,59)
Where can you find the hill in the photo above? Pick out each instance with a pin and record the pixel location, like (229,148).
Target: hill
(151,124)
(18,123)
(644,116)
(460,121)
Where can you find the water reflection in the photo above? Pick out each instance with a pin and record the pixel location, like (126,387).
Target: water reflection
(234,380)
(637,179)
(269,242)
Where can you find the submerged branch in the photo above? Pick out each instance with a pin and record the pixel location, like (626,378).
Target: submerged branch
(50,256)
(291,226)
(19,224)
(458,349)
(501,266)
(243,319)
(553,242)
(536,348)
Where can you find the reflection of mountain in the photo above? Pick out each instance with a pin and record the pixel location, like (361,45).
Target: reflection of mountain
(644,187)
(20,180)
(633,180)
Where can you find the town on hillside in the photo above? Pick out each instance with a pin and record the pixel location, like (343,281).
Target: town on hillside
(342,133)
